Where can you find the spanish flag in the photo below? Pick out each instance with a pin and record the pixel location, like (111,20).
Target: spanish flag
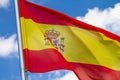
(54,41)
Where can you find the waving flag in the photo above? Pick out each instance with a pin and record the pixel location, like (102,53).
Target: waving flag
(54,41)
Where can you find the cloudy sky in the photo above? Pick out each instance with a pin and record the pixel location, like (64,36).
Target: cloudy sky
(101,13)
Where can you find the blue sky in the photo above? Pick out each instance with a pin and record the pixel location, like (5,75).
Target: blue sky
(101,13)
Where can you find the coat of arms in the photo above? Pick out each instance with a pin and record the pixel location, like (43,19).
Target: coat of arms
(51,36)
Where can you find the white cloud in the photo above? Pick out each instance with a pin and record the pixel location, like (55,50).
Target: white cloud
(55,74)
(69,76)
(34,76)
(8,46)
(108,18)
(4,3)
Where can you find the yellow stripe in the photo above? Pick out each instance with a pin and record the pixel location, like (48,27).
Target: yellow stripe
(81,45)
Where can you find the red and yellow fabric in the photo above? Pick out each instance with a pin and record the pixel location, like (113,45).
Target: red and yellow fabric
(92,53)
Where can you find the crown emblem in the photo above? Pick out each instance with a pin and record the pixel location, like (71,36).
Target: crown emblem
(52,36)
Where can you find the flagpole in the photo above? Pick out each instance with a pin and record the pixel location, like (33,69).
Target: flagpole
(23,75)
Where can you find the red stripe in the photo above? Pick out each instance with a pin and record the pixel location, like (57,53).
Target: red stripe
(44,60)
(47,16)
(51,59)
(94,72)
